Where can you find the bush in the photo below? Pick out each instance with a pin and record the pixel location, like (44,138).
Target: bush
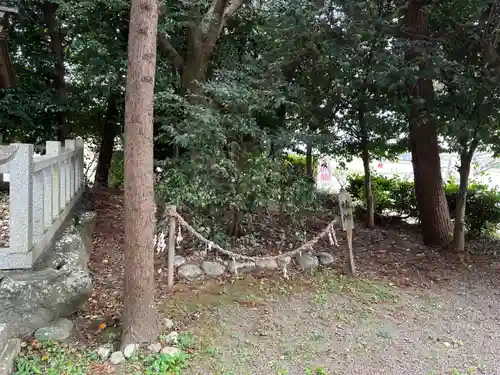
(116,170)
(297,163)
(482,210)
(398,195)
(384,191)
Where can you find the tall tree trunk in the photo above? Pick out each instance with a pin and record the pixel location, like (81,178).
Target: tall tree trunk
(365,155)
(431,201)
(109,133)
(459,228)
(56,45)
(139,315)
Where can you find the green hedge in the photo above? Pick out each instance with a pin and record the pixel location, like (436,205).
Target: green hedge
(398,195)
(298,163)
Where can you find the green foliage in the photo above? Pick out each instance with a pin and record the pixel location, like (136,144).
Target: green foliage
(164,364)
(334,76)
(483,207)
(397,195)
(116,170)
(211,193)
(390,194)
(53,359)
(299,164)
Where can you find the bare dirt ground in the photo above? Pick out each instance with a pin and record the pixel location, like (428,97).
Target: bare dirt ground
(341,326)
(412,310)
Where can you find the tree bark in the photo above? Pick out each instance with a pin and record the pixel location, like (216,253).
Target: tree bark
(464,171)
(431,201)
(56,46)
(459,228)
(109,133)
(139,315)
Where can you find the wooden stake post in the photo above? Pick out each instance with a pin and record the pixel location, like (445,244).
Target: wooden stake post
(171,246)
(347,221)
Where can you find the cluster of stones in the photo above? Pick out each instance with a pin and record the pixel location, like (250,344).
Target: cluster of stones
(306,261)
(168,347)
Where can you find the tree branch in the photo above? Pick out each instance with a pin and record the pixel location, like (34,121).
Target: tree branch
(229,12)
(166,47)
(217,16)
(213,18)
(168,50)
(490,53)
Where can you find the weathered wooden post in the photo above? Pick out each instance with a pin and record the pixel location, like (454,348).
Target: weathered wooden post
(347,221)
(171,245)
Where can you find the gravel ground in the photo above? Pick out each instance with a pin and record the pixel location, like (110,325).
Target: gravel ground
(349,328)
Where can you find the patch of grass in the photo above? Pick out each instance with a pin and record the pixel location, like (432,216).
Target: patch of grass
(366,290)
(316,371)
(50,358)
(157,363)
(320,299)
(54,359)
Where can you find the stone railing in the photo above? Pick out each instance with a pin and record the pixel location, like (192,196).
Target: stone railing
(42,192)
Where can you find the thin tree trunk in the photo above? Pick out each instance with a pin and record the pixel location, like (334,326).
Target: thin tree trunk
(370,203)
(56,40)
(459,228)
(365,155)
(139,315)
(431,201)
(309,161)
(109,133)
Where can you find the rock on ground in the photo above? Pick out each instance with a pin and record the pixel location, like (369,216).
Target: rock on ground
(308,261)
(235,267)
(58,331)
(269,264)
(129,350)
(57,286)
(170,350)
(213,269)
(172,338)
(189,271)
(8,354)
(284,261)
(169,323)
(154,348)
(179,261)
(117,358)
(325,259)
(103,352)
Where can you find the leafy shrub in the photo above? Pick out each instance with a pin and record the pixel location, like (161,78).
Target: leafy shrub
(298,164)
(383,190)
(398,195)
(228,191)
(116,170)
(482,210)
